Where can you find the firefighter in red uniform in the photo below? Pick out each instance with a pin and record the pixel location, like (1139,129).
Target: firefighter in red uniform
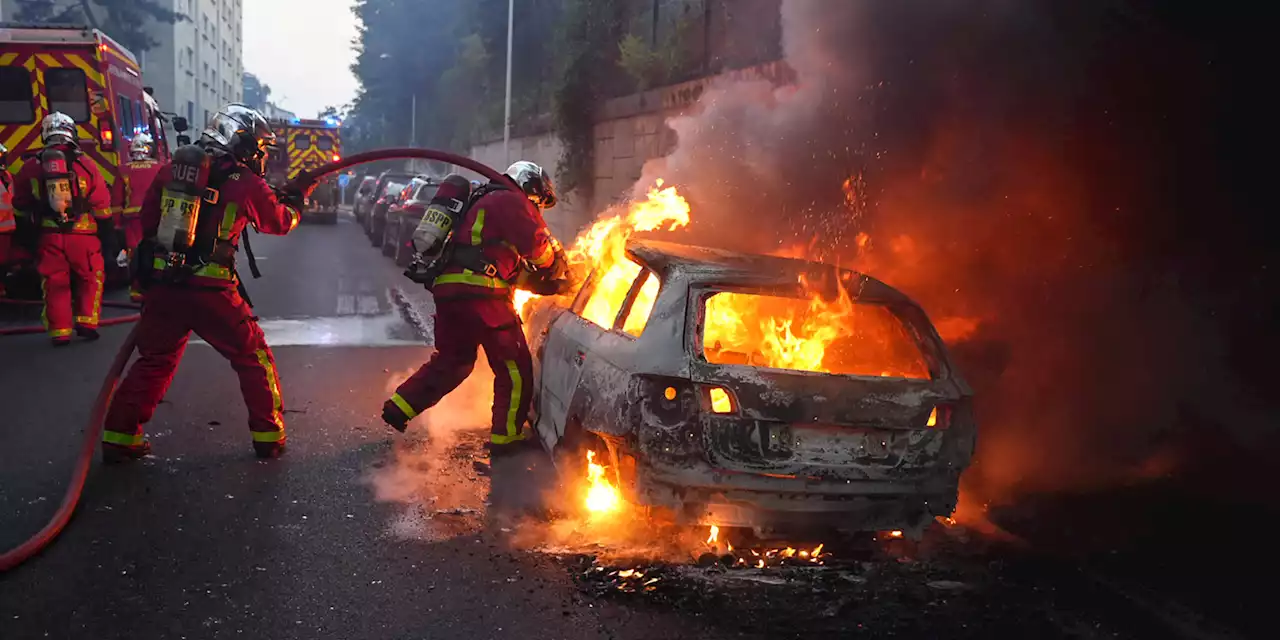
(497,238)
(8,221)
(192,218)
(64,195)
(143,169)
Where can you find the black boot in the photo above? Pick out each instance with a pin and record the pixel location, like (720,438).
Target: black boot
(268,450)
(118,453)
(393,415)
(87,333)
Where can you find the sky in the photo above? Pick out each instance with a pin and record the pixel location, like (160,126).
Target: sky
(302,48)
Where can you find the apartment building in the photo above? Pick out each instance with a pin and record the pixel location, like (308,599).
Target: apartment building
(198,64)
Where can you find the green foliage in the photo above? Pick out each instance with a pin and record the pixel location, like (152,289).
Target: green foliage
(589,39)
(653,66)
(126,21)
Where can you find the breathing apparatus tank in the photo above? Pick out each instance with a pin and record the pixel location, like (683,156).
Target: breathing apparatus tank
(180,202)
(431,238)
(59,184)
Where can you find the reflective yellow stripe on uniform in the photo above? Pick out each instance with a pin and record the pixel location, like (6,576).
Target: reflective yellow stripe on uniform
(545,258)
(215,271)
(477,228)
(515,432)
(474,279)
(122,439)
(228,221)
(404,406)
(277,403)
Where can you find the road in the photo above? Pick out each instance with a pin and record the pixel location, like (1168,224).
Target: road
(362,533)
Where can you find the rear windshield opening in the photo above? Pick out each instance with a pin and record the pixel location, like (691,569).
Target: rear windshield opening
(16,103)
(67,92)
(324,143)
(302,142)
(840,337)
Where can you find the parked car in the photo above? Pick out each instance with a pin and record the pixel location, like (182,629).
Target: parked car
(359,200)
(380,189)
(392,192)
(646,370)
(403,218)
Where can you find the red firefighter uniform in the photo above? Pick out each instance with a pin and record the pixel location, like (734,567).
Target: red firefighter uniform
(474,309)
(137,182)
(209,304)
(68,253)
(8,224)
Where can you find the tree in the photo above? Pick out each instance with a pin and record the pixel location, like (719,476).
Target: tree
(126,21)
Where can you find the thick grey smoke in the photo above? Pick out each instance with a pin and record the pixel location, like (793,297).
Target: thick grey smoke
(1001,188)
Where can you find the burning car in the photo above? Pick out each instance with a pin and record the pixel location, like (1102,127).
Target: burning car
(753,391)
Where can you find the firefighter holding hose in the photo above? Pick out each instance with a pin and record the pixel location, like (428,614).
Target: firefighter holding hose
(193,217)
(482,244)
(63,198)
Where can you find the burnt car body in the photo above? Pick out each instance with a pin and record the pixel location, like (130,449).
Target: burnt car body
(798,449)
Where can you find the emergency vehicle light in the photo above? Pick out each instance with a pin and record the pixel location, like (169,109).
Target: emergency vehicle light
(108,137)
(336,157)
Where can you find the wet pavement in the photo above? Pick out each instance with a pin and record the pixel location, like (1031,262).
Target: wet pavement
(363,533)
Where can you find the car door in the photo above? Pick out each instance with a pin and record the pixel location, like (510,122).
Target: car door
(585,367)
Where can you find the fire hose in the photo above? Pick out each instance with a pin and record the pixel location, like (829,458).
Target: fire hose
(304,182)
(106,322)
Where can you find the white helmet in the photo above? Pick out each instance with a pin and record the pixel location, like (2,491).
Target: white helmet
(141,147)
(58,128)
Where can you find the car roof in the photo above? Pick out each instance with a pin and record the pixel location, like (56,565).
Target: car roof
(710,266)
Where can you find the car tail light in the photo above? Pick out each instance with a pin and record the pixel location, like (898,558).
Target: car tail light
(721,400)
(939,418)
(336,157)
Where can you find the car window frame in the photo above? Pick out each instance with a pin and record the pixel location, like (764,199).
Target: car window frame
(637,285)
(297,138)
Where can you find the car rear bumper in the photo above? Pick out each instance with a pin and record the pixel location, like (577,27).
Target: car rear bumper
(702,495)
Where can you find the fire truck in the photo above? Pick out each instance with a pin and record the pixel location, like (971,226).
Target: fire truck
(308,144)
(85,74)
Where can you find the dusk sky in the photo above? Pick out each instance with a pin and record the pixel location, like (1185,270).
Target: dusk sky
(302,48)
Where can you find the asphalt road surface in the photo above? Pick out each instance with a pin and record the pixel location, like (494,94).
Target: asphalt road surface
(363,533)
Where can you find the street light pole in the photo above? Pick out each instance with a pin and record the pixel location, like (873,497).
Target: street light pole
(506,127)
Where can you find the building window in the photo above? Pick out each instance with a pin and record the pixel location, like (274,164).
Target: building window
(191,113)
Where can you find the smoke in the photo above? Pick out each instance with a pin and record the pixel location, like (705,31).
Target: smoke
(430,471)
(1020,170)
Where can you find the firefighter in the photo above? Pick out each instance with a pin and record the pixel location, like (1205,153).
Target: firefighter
(192,219)
(143,171)
(8,221)
(495,240)
(64,195)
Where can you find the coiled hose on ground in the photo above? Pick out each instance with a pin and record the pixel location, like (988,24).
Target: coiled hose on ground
(305,181)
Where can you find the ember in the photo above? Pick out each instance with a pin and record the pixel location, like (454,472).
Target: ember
(758,558)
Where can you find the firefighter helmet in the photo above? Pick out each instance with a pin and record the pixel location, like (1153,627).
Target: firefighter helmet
(58,128)
(534,181)
(242,132)
(142,147)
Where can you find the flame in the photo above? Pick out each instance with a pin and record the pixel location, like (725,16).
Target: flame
(799,333)
(602,497)
(765,556)
(602,247)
